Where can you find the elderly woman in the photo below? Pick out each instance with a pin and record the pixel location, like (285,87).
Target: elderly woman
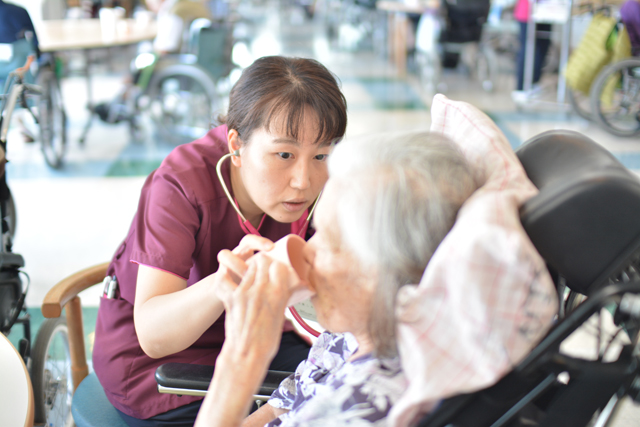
(387,205)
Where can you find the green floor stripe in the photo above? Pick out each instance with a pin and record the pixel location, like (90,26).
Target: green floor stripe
(123,167)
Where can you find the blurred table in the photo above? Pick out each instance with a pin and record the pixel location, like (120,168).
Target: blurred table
(16,393)
(399,27)
(85,35)
(81,34)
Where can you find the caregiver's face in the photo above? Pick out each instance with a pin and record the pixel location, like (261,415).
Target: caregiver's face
(343,289)
(282,176)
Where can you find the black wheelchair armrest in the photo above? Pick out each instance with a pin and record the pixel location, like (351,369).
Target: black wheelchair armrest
(193,380)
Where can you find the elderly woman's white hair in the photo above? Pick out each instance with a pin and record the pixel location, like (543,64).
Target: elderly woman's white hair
(399,196)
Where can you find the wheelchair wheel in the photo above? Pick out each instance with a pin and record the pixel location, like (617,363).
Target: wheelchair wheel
(52,119)
(615,98)
(51,374)
(181,102)
(580,103)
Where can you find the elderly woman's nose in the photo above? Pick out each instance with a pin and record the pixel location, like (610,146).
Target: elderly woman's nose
(300,175)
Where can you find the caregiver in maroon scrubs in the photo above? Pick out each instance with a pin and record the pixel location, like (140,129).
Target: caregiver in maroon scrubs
(284,114)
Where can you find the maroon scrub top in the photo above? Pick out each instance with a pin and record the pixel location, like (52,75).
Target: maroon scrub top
(183,220)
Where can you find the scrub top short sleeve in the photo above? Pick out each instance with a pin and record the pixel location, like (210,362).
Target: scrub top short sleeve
(167,228)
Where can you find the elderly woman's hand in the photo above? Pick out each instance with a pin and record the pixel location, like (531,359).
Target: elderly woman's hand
(253,329)
(255,309)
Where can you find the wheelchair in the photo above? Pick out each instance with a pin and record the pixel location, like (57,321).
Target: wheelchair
(612,100)
(615,98)
(178,92)
(50,115)
(592,251)
(584,224)
(47,360)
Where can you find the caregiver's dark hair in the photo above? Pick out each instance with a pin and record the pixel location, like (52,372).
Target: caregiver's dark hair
(276,87)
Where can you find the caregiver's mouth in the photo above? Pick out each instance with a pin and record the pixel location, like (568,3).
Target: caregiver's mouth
(295,205)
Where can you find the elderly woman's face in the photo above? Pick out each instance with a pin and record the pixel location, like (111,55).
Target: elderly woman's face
(343,289)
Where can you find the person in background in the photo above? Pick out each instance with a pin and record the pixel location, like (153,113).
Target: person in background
(251,180)
(16,24)
(521,14)
(630,16)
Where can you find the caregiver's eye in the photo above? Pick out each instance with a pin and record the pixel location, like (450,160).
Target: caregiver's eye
(285,156)
(322,157)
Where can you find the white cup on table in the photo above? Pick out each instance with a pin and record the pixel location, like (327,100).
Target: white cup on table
(108,22)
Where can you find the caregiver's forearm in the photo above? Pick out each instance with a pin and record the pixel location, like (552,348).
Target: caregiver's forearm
(176,316)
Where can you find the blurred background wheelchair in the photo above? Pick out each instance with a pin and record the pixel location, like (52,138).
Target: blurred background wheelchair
(180,93)
(615,98)
(43,102)
(607,91)
(48,359)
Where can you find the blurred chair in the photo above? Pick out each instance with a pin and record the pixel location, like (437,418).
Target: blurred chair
(90,407)
(189,11)
(442,36)
(211,43)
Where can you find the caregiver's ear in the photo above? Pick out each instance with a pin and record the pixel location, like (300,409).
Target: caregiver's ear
(233,142)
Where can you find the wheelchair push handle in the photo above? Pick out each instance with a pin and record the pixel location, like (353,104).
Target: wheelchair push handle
(22,70)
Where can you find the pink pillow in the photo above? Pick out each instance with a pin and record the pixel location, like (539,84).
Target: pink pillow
(486,297)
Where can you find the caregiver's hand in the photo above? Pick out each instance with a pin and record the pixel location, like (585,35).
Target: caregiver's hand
(233,264)
(169,316)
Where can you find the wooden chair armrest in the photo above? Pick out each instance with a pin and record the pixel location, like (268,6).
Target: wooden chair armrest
(69,287)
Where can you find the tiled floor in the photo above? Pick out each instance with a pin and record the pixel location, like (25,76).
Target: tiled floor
(75,217)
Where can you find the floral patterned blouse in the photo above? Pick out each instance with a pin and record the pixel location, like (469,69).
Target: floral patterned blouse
(326,389)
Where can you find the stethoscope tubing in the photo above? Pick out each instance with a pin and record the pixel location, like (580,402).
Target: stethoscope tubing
(252,230)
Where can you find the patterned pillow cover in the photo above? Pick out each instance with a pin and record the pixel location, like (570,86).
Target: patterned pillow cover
(486,298)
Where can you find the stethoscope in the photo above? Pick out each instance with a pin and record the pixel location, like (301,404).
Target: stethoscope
(249,228)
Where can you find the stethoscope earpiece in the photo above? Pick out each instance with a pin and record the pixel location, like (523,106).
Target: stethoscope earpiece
(236,153)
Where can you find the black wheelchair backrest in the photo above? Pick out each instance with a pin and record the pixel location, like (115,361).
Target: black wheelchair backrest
(585,222)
